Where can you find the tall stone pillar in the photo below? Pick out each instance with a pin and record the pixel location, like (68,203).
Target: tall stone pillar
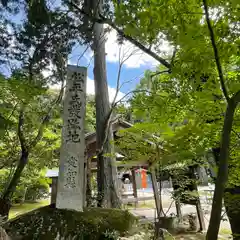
(70,193)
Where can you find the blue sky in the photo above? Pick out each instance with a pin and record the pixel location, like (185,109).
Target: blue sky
(132,70)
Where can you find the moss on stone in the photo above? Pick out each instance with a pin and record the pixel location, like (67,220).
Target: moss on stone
(51,223)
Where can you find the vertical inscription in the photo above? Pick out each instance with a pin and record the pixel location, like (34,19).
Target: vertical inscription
(70,180)
(74,110)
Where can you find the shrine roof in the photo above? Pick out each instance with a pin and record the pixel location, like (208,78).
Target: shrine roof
(117,124)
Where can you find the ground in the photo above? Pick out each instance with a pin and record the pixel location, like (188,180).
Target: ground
(18,209)
(146,208)
(196,236)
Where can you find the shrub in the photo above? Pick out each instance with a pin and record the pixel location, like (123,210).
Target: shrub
(29,188)
(37,190)
(92,224)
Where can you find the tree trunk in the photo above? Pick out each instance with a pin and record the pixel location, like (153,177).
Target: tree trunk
(215,219)
(134,184)
(5,201)
(157,198)
(178,210)
(200,215)
(107,172)
(88,184)
(232,204)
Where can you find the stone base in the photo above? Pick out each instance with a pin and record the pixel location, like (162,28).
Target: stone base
(51,223)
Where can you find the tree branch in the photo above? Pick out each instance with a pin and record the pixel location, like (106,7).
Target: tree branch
(139,45)
(173,56)
(215,49)
(236,133)
(88,46)
(11,114)
(54,103)
(118,77)
(127,94)
(158,73)
(46,119)
(121,62)
(40,46)
(121,32)
(113,105)
(222,175)
(20,129)
(236,97)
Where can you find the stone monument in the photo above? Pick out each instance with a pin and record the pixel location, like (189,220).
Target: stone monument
(70,192)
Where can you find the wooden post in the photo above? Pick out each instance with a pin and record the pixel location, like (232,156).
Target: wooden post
(88,183)
(85,180)
(156,194)
(198,204)
(178,210)
(134,185)
(54,190)
(200,215)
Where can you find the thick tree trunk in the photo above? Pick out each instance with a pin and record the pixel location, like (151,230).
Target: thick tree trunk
(215,219)
(232,204)
(107,172)
(5,201)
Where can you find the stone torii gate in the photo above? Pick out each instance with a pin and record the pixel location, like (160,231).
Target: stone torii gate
(70,192)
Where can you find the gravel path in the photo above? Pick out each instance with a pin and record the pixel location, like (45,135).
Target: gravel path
(150,213)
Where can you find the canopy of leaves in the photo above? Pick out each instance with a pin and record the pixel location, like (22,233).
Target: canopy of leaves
(184,107)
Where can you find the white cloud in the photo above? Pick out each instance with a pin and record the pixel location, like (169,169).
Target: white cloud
(138,59)
(90,85)
(91,90)
(111,91)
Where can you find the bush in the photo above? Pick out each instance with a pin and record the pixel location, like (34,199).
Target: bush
(3,177)
(38,190)
(19,192)
(30,189)
(92,224)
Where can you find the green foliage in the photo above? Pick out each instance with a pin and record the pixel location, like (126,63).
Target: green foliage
(90,118)
(37,101)
(31,98)
(37,192)
(187,123)
(33,185)
(39,189)
(181,110)
(183,107)
(93,223)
